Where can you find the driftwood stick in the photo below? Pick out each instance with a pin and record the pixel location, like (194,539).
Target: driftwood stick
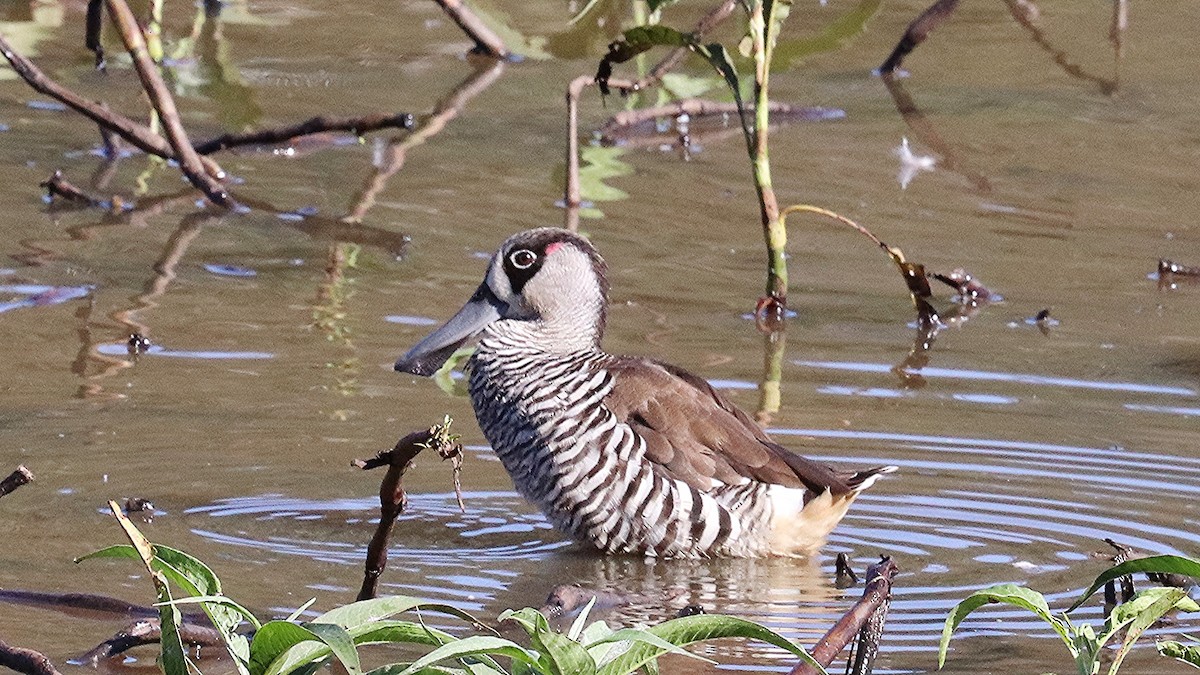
(917,31)
(392,501)
(571,195)
(355,125)
(145,632)
(139,135)
(864,618)
(26,661)
(16,479)
(164,104)
(485,39)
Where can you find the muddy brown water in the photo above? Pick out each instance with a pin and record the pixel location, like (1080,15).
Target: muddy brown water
(1019,451)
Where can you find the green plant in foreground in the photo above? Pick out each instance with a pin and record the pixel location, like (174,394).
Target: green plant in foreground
(302,647)
(1124,624)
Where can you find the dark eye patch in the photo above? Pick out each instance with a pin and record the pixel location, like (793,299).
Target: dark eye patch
(521,265)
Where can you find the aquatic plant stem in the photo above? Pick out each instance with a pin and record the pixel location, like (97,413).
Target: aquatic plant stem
(773,230)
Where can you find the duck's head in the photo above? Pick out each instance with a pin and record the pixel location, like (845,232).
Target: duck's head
(551,278)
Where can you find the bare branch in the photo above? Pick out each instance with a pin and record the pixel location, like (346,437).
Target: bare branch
(164,104)
(355,125)
(485,39)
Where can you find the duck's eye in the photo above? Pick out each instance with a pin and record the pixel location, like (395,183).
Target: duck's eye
(522,259)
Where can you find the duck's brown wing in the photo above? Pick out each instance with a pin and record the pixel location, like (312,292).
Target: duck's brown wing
(698,436)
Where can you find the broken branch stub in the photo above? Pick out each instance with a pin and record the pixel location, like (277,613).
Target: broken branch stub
(20,476)
(392,498)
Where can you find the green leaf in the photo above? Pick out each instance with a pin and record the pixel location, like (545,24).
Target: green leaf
(367,611)
(686,630)
(1010,594)
(1162,564)
(357,618)
(1189,654)
(172,657)
(470,646)
(340,642)
(580,621)
(563,655)
(1162,603)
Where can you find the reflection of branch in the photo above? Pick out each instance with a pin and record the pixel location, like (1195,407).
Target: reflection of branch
(486,41)
(446,109)
(631,122)
(1020,12)
(571,194)
(164,105)
(924,130)
(917,31)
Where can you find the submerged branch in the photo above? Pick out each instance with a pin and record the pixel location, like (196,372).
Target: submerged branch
(137,134)
(145,632)
(26,661)
(572,198)
(20,476)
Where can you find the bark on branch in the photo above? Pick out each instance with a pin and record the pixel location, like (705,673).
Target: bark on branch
(393,500)
(864,620)
(355,125)
(164,104)
(485,39)
(26,661)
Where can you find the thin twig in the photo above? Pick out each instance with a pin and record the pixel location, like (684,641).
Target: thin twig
(58,187)
(20,476)
(164,104)
(139,135)
(864,615)
(26,661)
(355,125)
(485,39)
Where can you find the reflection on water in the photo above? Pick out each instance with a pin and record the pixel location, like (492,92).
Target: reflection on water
(986,516)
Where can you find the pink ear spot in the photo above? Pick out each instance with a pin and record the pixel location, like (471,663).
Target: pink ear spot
(554,246)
